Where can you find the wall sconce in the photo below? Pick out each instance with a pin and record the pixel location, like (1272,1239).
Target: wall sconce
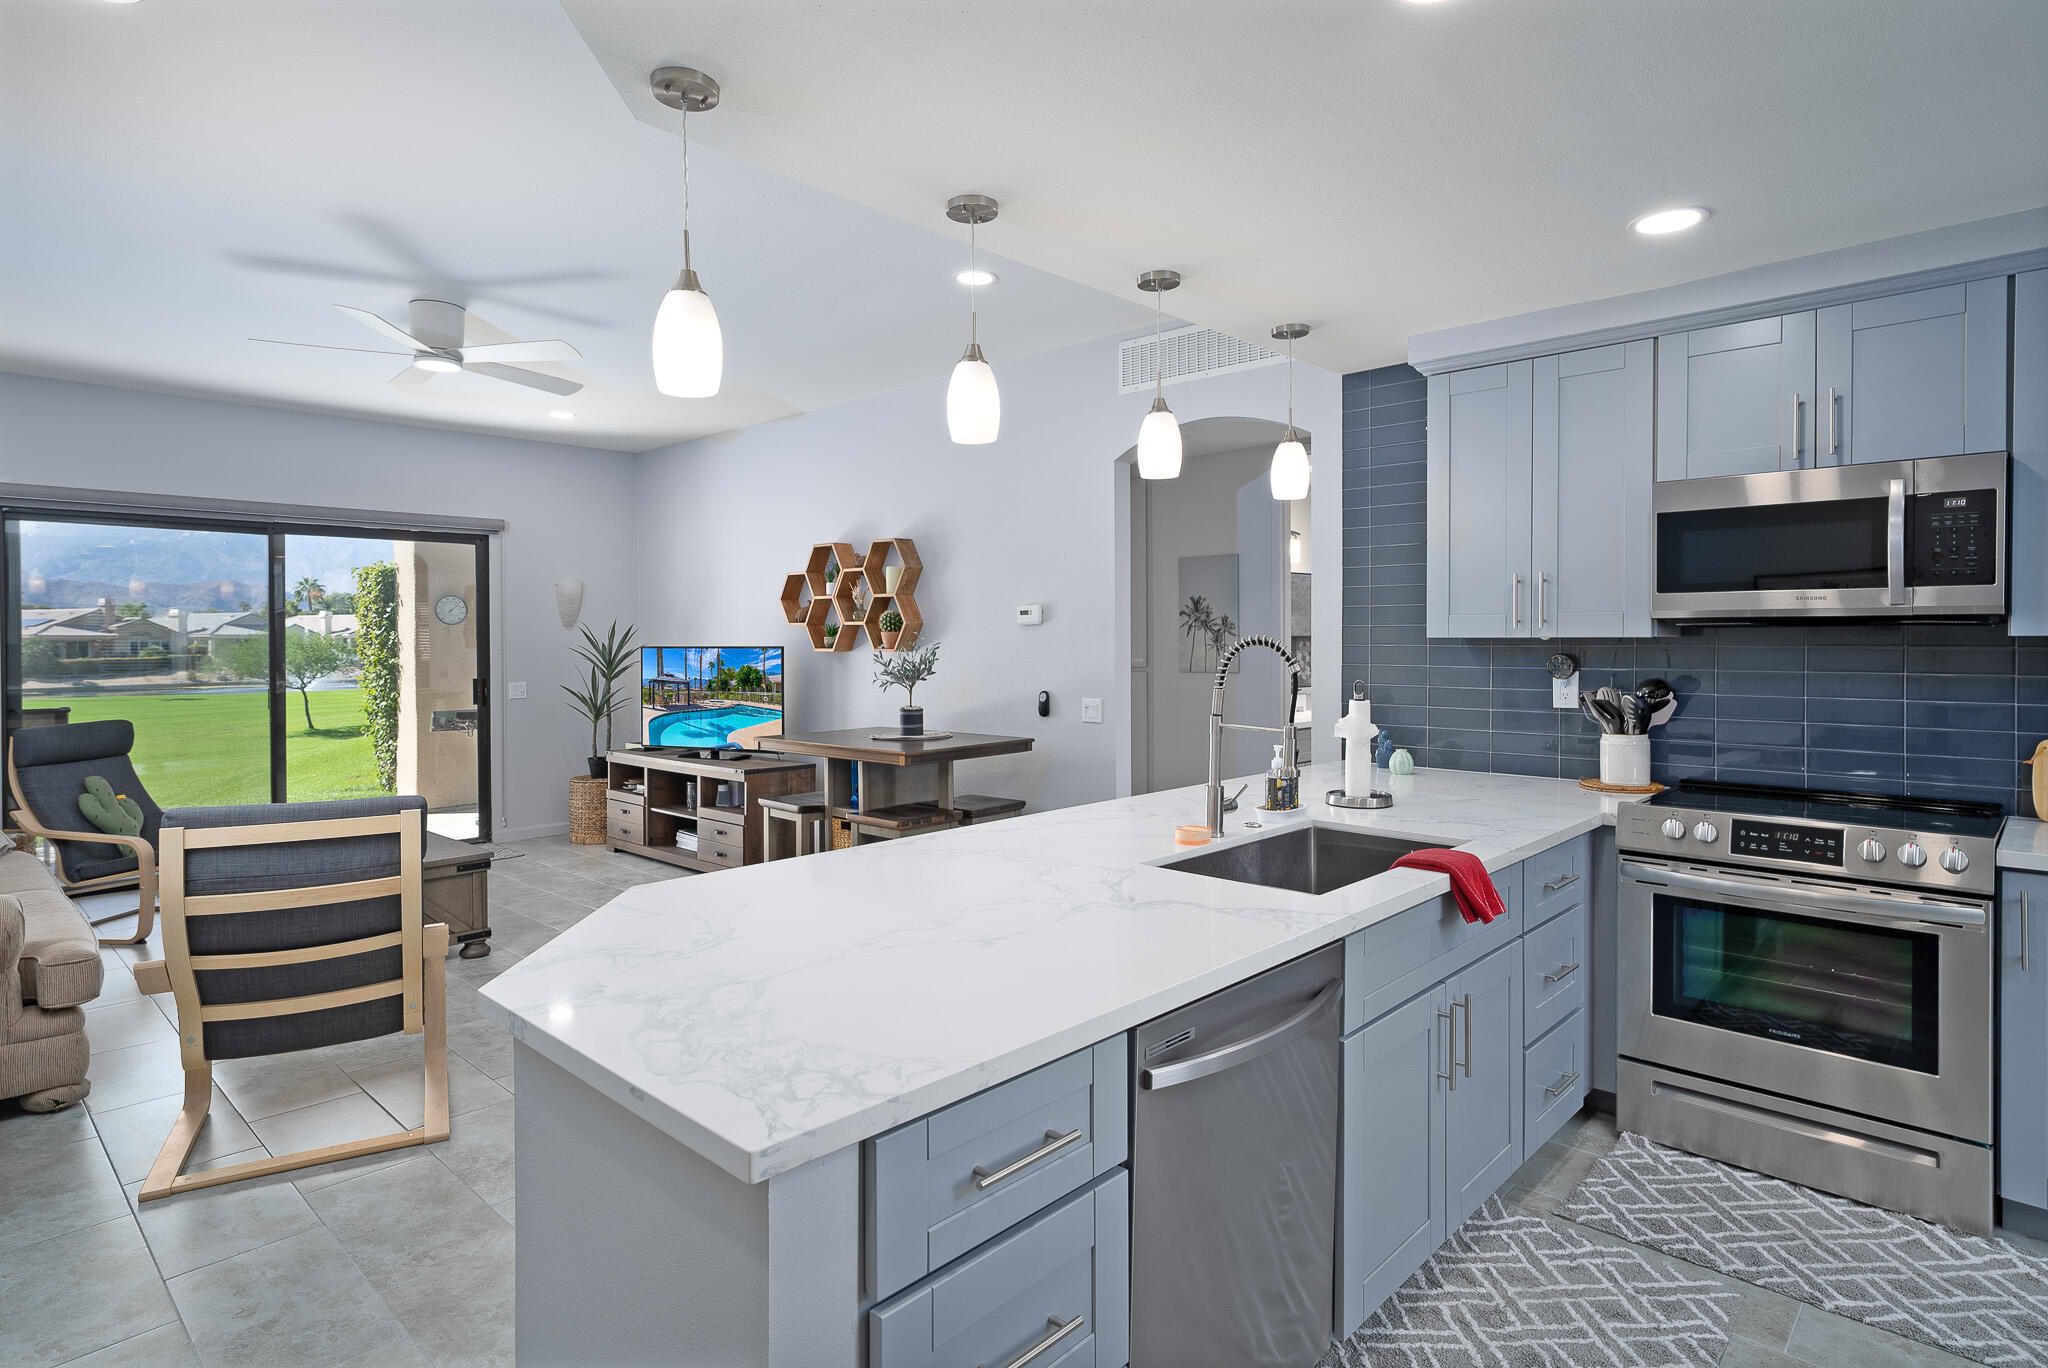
(569,601)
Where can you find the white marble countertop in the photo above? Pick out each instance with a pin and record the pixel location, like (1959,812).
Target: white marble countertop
(2024,845)
(767,1016)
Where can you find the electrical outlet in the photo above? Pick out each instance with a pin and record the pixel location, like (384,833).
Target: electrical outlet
(1564,693)
(516,689)
(1091,710)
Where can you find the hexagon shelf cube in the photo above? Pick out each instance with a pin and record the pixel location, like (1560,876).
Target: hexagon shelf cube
(822,614)
(839,602)
(796,597)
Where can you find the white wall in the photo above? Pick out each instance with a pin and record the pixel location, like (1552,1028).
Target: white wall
(1040,516)
(566,510)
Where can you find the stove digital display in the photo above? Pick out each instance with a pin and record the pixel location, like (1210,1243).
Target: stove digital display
(1777,841)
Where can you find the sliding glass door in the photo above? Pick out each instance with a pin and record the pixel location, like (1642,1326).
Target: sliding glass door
(259,662)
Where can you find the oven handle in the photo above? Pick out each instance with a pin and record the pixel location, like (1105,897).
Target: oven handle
(1884,909)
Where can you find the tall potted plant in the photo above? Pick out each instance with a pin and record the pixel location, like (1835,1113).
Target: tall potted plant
(610,661)
(906,670)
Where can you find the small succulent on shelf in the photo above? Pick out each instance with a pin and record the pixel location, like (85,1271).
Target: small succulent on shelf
(906,670)
(831,631)
(892,628)
(831,571)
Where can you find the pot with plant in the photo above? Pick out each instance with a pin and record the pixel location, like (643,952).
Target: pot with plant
(596,697)
(892,628)
(906,670)
(831,633)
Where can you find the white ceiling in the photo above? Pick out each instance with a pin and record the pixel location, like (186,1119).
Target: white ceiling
(1375,167)
(182,175)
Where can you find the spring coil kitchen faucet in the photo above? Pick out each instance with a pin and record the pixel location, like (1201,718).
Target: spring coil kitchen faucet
(1217,726)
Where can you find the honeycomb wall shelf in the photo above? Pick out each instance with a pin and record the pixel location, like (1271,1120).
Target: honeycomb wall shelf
(856,598)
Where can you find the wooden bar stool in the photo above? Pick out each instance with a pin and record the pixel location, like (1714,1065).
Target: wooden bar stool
(900,820)
(980,807)
(804,812)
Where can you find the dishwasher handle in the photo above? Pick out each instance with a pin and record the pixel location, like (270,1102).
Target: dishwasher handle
(1239,1051)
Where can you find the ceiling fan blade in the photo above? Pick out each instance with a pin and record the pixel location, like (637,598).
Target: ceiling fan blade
(392,331)
(322,346)
(412,375)
(531,379)
(437,323)
(555,350)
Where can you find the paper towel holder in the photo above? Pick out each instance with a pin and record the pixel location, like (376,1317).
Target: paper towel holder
(1337,797)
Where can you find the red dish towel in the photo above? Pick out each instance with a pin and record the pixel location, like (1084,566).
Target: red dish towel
(1478,899)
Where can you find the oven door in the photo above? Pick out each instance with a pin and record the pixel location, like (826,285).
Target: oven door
(1869,1000)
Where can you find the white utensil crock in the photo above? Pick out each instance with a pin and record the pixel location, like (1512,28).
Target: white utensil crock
(1625,760)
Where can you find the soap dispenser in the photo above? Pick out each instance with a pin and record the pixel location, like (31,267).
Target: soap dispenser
(1282,783)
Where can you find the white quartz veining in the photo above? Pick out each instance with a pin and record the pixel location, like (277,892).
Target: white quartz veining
(770,1015)
(2024,845)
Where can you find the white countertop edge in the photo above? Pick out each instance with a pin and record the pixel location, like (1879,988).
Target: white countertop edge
(2024,845)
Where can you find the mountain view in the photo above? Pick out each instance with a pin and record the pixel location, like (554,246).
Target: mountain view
(70,565)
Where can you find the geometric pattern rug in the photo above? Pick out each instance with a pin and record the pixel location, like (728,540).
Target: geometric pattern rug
(1513,1290)
(1979,1298)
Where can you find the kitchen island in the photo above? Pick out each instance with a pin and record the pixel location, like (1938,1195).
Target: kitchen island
(699,1062)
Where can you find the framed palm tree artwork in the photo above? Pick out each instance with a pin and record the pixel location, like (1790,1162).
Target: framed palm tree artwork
(1207,611)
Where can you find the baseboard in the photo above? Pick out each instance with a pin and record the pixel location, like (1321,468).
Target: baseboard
(2022,1219)
(529,833)
(1600,1100)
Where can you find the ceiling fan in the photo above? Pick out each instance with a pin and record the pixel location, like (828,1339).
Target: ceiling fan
(434,342)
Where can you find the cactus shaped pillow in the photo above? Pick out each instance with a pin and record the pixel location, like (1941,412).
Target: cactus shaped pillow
(114,813)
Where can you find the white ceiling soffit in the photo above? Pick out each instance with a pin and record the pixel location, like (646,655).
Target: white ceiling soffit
(182,175)
(1374,167)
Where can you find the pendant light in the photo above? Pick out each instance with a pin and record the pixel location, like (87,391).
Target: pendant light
(1289,473)
(1159,434)
(974,408)
(689,350)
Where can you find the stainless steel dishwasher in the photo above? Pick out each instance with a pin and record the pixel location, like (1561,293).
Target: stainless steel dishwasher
(1234,1174)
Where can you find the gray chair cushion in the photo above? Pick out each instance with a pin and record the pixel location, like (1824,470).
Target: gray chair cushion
(52,765)
(284,865)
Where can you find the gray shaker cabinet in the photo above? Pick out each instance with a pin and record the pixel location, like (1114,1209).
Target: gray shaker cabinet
(1483,1102)
(2023,1038)
(1391,1191)
(1736,399)
(1594,441)
(1479,489)
(2030,455)
(1911,375)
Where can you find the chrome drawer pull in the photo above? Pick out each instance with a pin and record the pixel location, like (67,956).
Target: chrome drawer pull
(1060,1330)
(1466,1062)
(1562,1084)
(1055,1142)
(2024,919)
(1566,882)
(1450,1020)
(1564,972)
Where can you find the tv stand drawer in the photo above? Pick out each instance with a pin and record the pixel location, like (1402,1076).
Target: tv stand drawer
(730,831)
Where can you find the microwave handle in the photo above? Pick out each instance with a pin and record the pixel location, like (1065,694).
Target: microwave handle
(1895,545)
(1843,904)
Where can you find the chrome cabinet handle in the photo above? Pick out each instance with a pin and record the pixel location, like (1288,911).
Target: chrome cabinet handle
(1564,972)
(1895,544)
(1562,1084)
(1060,1330)
(1798,407)
(2025,930)
(1542,597)
(1466,1062)
(985,1179)
(1566,882)
(1517,578)
(1833,445)
(1450,1019)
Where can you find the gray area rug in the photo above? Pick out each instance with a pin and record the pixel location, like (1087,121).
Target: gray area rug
(1980,1298)
(1515,1290)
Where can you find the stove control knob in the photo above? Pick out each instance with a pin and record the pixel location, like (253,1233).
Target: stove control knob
(1706,833)
(1674,828)
(1873,850)
(1954,861)
(1911,855)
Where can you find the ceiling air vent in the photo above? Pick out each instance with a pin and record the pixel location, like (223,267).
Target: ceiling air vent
(1190,354)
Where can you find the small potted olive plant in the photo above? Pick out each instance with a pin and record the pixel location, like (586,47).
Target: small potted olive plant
(906,670)
(892,628)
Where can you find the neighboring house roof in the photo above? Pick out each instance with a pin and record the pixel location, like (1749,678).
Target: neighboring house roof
(49,630)
(216,624)
(344,624)
(86,619)
(142,627)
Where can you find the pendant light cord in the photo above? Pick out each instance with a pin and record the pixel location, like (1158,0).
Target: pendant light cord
(686,185)
(1290,385)
(973,275)
(1158,344)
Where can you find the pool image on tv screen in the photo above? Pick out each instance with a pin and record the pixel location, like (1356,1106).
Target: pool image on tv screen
(710,695)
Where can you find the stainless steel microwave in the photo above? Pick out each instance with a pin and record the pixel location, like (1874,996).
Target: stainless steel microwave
(1898,539)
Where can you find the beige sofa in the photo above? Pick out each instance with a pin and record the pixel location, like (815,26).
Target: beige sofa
(49,968)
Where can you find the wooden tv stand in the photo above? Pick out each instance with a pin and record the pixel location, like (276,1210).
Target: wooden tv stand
(680,795)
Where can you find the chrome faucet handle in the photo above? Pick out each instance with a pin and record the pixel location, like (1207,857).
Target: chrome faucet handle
(1230,803)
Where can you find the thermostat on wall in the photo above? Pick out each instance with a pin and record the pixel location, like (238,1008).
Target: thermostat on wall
(1030,614)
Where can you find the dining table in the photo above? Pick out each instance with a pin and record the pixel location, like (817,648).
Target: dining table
(895,784)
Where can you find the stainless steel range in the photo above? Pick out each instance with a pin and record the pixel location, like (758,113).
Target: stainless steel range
(1806,989)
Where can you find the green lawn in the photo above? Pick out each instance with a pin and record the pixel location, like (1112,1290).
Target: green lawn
(197,749)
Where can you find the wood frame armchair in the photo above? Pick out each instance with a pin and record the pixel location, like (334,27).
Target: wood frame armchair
(143,876)
(229,1001)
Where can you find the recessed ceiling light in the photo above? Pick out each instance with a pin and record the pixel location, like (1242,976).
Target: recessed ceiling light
(976,278)
(1669,221)
(560,415)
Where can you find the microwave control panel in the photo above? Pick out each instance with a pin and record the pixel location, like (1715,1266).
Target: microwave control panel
(1955,537)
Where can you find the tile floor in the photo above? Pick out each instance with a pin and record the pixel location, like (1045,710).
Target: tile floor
(406,1258)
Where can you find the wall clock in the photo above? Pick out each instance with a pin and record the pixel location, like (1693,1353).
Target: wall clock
(451,609)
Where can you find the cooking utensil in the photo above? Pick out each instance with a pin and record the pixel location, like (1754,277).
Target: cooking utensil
(1660,698)
(1605,715)
(1635,716)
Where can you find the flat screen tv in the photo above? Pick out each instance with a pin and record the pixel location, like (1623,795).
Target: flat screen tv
(710,695)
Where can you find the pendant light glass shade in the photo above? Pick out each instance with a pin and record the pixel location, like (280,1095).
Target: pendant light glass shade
(1289,475)
(689,349)
(1159,444)
(974,407)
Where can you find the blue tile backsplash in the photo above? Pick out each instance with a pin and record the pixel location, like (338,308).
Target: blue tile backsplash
(1938,710)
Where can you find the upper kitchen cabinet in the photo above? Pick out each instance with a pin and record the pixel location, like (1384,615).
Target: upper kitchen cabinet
(1912,375)
(1479,484)
(1737,399)
(1590,510)
(2030,455)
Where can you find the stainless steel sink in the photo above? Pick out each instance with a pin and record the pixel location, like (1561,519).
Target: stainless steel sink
(1303,859)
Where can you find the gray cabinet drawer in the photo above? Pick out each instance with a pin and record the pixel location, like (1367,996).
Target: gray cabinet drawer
(1557,880)
(924,1203)
(1555,1080)
(632,832)
(714,853)
(1555,966)
(727,831)
(1066,1266)
(619,810)
(1386,964)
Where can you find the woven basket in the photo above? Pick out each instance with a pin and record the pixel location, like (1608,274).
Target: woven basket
(842,833)
(586,810)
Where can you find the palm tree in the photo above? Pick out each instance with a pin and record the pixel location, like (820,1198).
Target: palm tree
(309,591)
(1194,618)
(1222,632)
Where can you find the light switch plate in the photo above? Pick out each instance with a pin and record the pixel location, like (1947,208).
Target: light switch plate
(1091,710)
(516,689)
